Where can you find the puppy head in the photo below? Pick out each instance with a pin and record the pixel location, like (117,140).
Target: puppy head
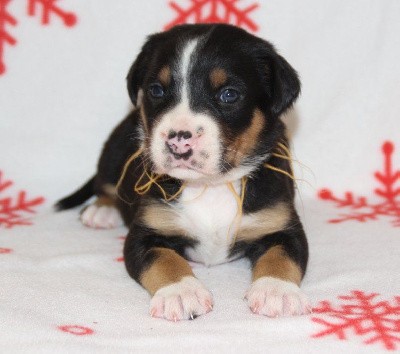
(210,97)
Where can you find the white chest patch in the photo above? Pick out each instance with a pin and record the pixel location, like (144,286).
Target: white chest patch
(208,214)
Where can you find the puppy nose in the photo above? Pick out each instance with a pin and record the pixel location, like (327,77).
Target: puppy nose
(180,144)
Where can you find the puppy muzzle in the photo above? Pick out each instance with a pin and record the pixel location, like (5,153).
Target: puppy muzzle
(181,144)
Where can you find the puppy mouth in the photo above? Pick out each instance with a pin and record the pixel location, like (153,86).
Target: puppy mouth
(184,169)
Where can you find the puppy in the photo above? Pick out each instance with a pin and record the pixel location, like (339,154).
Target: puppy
(200,170)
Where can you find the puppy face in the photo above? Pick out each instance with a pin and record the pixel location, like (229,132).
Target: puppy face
(210,98)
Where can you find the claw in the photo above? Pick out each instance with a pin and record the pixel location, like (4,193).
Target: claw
(273,314)
(274,297)
(186,299)
(192,316)
(254,309)
(209,305)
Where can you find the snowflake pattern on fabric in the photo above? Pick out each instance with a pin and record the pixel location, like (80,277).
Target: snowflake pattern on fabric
(12,210)
(122,239)
(76,330)
(360,209)
(362,314)
(213,11)
(45,8)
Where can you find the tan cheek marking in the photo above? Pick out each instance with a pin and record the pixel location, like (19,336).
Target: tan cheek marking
(218,77)
(161,218)
(264,222)
(247,141)
(167,268)
(165,75)
(275,263)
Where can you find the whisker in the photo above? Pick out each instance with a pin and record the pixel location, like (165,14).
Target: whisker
(276,169)
(146,179)
(127,164)
(285,153)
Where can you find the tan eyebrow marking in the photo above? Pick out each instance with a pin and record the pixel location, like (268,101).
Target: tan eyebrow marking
(165,75)
(218,77)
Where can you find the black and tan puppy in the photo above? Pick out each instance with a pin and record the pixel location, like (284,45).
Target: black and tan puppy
(200,171)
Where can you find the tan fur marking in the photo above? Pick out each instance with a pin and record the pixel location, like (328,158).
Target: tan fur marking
(246,142)
(105,201)
(144,119)
(218,77)
(165,75)
(167,268)
(161,218)
(275,263)
(264,222)
(110,190)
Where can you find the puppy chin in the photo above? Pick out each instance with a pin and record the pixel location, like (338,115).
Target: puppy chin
(186,174)
(196,177)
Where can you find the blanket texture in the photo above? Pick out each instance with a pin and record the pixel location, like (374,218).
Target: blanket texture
(64,288)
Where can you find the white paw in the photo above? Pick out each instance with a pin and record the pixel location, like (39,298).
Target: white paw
(274,297)
(101,217)
(184,300)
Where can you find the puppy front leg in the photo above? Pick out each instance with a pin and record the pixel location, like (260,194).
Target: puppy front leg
(275,287)
(154,263)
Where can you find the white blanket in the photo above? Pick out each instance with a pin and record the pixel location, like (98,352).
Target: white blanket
(63,287)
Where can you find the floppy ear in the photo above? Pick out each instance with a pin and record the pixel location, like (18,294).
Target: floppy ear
(138,69)
(284,84)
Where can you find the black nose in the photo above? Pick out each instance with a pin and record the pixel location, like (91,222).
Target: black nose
(184,134)
(180,134)
(180,144)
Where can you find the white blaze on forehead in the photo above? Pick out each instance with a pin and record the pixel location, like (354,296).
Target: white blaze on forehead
(184,66)
(204,129)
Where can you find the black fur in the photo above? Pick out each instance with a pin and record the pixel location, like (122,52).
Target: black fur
(78,197)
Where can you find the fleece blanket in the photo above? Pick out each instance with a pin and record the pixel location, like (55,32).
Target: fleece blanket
(63,286)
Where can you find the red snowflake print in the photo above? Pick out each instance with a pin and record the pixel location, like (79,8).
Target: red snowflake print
(45,8)
(362,314)
(389,192)
(5,250)
(76,330)
(121,238)
(12,209)
(213,11)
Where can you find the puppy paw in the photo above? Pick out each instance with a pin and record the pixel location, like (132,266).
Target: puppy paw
(274,297)
(184,300)
(101,217)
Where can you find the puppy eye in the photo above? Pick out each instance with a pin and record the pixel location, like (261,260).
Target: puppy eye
(229,96)
(156,90)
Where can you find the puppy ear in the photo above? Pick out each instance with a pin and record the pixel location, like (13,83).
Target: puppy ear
(284,84)
(138,69)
